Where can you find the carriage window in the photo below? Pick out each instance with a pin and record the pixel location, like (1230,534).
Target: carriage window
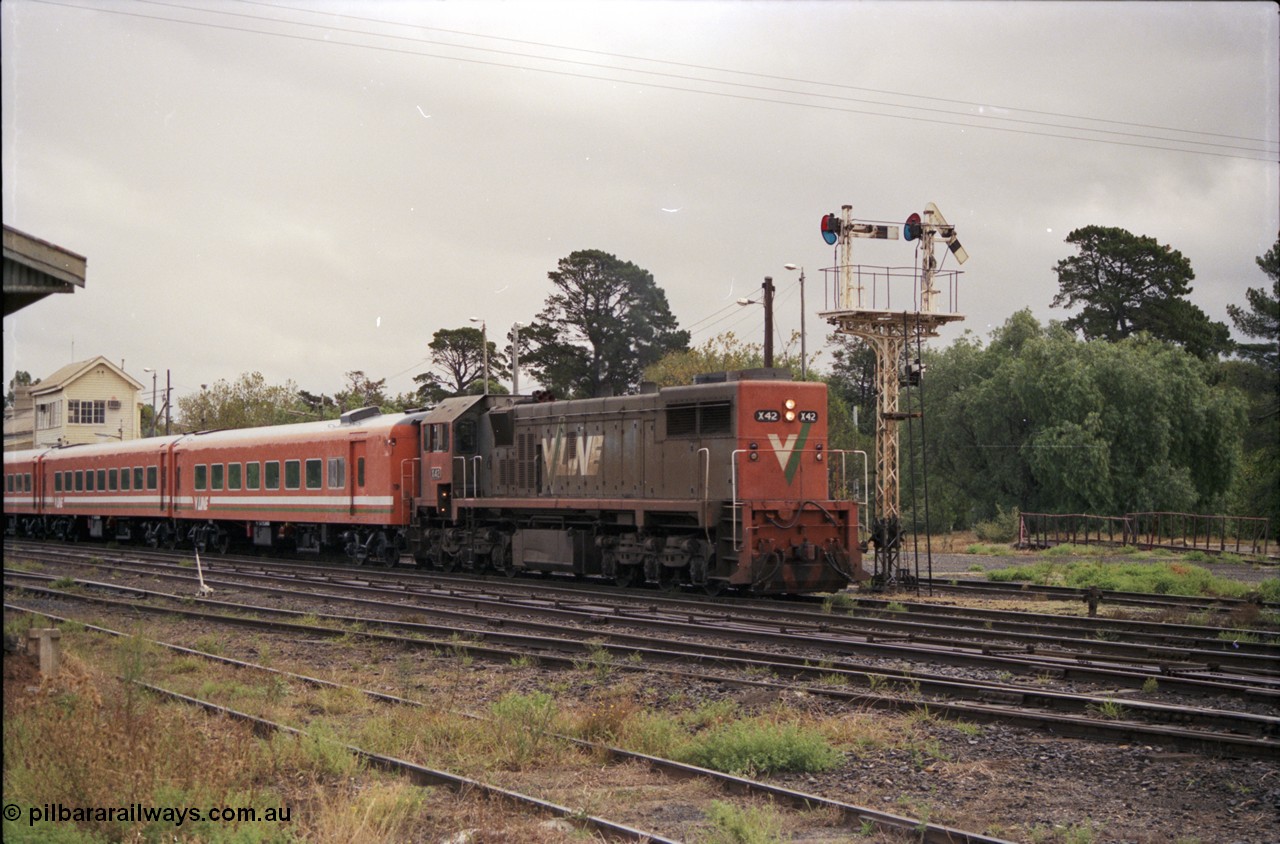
(125,477)
(337,472)
(202,477)
(315,473)
(102,479)
(57,482)
(233,476)
(137,477)
(359,471)
(292,474)
(151,477)
(79,480)
(8,483)
(272,474)
(113,479)
(26,482)
(252,475)
(216,476)
(88,480)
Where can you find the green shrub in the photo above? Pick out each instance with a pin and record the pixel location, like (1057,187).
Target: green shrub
(751,747)
(1002,528)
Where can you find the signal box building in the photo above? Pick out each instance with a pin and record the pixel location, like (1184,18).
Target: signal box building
(84,402)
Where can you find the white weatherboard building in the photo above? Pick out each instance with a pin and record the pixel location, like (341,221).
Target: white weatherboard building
(84,402)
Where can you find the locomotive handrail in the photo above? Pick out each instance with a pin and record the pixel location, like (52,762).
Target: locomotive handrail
(844,473)
(733,489)
(475,476)
(706,485)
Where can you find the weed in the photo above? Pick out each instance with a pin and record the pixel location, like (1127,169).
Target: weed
(896,606)
(1151,685)
(756,747)
(65,582)
(1108,709)
(751,825)
(839,602)
(598,661)
(521,724)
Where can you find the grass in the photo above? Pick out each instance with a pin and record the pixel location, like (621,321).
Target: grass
(1159,578)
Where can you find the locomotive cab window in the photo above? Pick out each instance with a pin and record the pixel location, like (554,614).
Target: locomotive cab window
(466,436)
(436,437)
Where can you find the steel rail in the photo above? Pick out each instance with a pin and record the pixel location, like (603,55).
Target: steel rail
(1173,655)
(1001,711)
(1184,678)
(801,800)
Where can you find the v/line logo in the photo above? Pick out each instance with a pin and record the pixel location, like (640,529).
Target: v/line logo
(788,450)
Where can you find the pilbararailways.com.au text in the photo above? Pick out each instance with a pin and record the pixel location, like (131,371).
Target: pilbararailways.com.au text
(139,813)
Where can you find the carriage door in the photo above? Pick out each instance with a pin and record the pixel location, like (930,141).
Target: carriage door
(356,479)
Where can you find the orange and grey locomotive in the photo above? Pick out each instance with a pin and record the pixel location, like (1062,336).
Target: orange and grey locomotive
(720,484)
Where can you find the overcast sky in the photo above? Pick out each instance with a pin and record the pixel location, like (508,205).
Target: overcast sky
(308,188)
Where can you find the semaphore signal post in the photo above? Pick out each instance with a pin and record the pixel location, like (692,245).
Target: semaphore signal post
(864,306)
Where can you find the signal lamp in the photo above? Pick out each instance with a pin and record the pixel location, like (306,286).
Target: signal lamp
(912,229)
(831,229)
(791,416)
(789,404)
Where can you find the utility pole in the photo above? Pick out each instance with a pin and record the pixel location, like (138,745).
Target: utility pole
(768,321)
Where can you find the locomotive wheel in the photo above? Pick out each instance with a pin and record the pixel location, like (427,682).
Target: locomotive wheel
(714,587)
(500,559)
(448,561)
(669,579)
(626,576)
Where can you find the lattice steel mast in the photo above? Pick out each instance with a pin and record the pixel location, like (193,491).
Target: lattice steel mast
(857,312)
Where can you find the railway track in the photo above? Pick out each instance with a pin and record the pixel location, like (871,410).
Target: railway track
(851,814)
(491,635)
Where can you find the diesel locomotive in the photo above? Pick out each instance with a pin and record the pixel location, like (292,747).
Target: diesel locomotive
(730,482)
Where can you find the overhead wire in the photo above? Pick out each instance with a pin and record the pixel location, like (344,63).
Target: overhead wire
(726,94)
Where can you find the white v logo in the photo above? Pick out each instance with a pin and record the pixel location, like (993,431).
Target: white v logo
(782,448)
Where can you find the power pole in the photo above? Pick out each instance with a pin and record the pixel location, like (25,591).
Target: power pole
(768,321)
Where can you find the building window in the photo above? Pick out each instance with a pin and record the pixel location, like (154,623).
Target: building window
(337,473)
(49,415)
(86,412)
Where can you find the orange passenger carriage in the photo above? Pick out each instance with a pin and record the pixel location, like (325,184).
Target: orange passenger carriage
(347,483)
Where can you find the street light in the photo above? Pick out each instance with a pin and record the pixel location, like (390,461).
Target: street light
(804,357)
(154,373)
(515,358)
(484,342)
